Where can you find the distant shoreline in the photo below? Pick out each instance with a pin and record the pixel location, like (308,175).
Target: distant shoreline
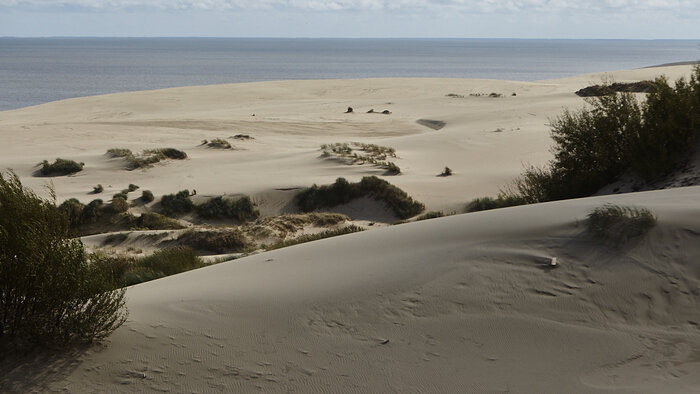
(686,63)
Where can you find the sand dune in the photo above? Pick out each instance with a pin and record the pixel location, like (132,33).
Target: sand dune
(465,303)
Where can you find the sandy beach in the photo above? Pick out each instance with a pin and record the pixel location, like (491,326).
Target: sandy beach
(464,303)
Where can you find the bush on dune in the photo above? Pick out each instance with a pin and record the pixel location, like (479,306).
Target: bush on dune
(176,204)
(51,293)
(614,135)
(342,192)
(242,209)
(60,167)
(619,224)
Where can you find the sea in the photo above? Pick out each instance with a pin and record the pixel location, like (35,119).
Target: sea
(38,70)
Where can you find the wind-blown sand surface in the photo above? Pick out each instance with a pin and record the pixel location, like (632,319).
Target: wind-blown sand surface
(458,304)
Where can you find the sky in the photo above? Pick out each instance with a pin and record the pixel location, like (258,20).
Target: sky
(607,19)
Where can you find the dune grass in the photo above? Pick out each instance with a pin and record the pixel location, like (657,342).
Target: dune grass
(241,209)
(619,224)
(216,241)
(360,153)
(147,158)
(314,237)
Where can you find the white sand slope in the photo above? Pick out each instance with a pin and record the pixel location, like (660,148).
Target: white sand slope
(464,303)
(457,304)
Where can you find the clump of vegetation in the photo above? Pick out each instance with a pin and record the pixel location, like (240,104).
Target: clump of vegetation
(608,89)
(486,203)
(430,215)
(242,209)
(53,292)
(360,153)
(616,135)
(119,205)
(314,237)
(97,189)
(155,221)
(219,143)
(147,158)
(342,192)
(129,271)
(176,204)
(454,95)
(147,196)
(492,95)
(60,167)
(446,172)
(619,224)
(122,194)
(132,187)
(215,241)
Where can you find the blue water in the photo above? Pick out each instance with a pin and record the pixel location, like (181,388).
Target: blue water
(38,70)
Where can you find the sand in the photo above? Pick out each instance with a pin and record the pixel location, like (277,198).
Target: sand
(465,303)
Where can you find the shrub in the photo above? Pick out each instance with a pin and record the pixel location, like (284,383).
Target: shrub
(619,223)
(219,241)
(92,211)
(60,167)
(392,168)
(487,203)
(147,196)
(148,157)
(175,204)
(115,239)
(50,291)
(121,195)
(219,143)
(446,172)
(242,209)
(133,187)
(154,221)
(97,189)
(169,153)
(162,263)
(430,215)
(119,205)
(73,209)
(342,192)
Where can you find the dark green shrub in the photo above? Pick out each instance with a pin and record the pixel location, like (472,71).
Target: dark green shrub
(342,192)
(219,241)
(176,204)
(138,275)
(487,203)
(446,172)
(60,167)
(133,187)
(169,153)
(172,261)
(618,223)
(97,189)
(73,209)
(92,211)
(121,195)
(50,291)
(242,209)
(119,205)
(147,196)
(154,221)
(218,143)
(392,168)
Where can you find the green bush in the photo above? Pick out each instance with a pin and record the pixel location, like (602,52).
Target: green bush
(147,196)
(121,195)
(392,168)
(119,205)
(133,187)
(97,189)
(218,241)
(487,203)
(446,172)
(342,192)
(60,167)
(51,293)
(242,209)
(176,204)
(154,221)
(619,223)
(166,262)
(148,157)
(92,211)
(218,143)
(73,209)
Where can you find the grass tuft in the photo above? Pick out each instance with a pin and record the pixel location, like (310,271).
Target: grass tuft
(619,224)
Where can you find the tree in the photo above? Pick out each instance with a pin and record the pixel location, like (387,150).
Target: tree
(51,291)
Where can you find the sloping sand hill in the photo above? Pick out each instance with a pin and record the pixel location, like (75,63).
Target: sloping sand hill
(465,303)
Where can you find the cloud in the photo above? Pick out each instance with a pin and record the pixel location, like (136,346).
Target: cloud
(481,6)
